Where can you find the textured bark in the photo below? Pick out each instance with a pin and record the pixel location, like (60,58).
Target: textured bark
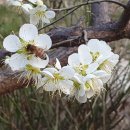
(66,40)
(100,13)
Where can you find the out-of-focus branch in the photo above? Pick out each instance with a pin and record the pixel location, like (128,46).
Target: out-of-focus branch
(100,13)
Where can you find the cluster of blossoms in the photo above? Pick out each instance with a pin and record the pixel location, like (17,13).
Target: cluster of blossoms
(82,78)
(84,75)
(24,57)
(38,12)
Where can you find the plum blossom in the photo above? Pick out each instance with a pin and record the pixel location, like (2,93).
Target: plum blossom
(21,5)
(103,55)
(93,65)
(28,35)
(41,14)
(58,79)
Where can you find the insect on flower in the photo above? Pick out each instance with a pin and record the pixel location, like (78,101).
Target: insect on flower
(39,52)
(29,48)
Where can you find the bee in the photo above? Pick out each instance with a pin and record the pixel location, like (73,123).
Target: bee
(39,52)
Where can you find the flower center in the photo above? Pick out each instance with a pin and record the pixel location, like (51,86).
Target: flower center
(24,49)
(76,84)
(95,55)
(106,66)
(57,77)
(88,85)
(40,13)
(82,69)
(32,69)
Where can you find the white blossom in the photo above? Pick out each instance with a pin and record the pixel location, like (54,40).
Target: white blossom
(60,80)
(26,7)
(103,55)
(88,86)
(41,14)
(28,35)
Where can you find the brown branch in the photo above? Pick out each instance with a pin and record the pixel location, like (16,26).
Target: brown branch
(67,39)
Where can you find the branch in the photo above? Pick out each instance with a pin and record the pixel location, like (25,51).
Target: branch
(67,39)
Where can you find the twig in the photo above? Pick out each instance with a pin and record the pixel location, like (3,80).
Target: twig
(78,6)
(90,2)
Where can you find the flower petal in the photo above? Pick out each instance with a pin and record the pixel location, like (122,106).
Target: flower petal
(50,14)
(73,60)
(43,41)
(94,45)
(66,86)
(78,78)
(102,75)
(82,99)
(12,43)
(85,56)
(38,62)
(41,8)
(50,86)
(15,3)
(17,61)
(92,67)
(45,20)
(114,59)
(58,65)
(51,70)
(34,19)
(26,8)
(105,49)
(28,32)
(67,72)
(90,93)
(81,91)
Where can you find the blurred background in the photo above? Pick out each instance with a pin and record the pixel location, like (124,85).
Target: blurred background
(26,109)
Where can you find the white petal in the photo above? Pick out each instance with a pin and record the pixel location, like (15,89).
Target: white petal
(90,93)
(105,49)
(66,86)
(51,70)
(78,78)
(50,14)
(114,59)
(81,91)
(28,32)
(43,41)
(102,75)
(45,20)
(94,45)
(92,67)
(97,85)
(34,19)
(58,65)
(17,61)
(85,56)
(39,2)
(50,86)
(101,59)
(73,60)
(89,77)
(41,8)
(82,99)
(38,62)
(48,73)
(67,72)
(15,3)
(12,43)
(26,8)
